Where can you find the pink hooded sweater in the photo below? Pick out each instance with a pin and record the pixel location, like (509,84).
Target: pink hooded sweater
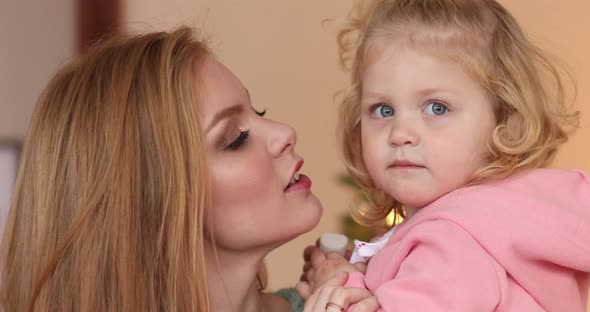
(520,244)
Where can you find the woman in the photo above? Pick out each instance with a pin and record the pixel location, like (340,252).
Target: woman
(149,182)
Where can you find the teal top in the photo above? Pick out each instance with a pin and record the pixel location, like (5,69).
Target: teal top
(295,301)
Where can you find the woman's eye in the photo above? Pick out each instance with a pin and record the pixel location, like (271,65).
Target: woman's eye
(435,108)
(383,111)
(239,141)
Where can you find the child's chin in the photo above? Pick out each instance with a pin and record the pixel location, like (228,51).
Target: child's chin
(417,201)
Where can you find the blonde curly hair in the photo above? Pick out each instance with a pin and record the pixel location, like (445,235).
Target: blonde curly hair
(521,80)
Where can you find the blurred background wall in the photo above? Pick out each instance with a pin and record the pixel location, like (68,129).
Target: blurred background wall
(284,52)
(35,38)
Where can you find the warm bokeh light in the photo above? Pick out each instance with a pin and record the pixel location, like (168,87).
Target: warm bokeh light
(393,219)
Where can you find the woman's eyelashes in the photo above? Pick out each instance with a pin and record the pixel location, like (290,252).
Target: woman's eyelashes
(237,138)
(261,113)
(238,141)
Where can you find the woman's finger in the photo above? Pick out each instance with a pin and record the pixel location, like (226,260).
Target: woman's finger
(302,288)
(369,304)
(303,277)
(318,304)
(310,274)
(318,300)
(307,266)
(307,252)
(345,296)
(317,257)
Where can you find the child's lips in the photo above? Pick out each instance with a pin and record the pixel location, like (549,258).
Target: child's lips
(405,164)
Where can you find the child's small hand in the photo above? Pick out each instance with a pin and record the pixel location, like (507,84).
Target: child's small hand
(320,267)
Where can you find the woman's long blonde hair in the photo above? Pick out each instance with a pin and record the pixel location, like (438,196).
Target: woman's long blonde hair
(108,210)
(526,88)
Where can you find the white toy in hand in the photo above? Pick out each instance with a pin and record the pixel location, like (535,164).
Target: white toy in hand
(332,242)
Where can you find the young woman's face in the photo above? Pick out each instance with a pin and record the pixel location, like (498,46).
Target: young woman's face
(256,201)
(425,123)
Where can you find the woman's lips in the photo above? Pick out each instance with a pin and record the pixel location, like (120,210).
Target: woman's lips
(304,183)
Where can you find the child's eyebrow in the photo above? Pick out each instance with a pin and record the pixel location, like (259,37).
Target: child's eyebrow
(429,91)
(372,95)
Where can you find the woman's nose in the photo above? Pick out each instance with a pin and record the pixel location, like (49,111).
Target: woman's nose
(282,138)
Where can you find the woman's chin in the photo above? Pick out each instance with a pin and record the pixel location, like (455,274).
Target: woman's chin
(311,219)
(314,214)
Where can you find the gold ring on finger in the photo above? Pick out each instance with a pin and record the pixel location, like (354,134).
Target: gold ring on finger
(335,306)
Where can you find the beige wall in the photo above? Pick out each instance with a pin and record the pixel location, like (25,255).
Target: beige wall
(36,37)
(287,59)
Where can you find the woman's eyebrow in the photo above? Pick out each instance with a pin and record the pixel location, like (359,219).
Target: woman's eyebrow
(224,113)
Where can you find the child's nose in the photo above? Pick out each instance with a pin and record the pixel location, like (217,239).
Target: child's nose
(402,133)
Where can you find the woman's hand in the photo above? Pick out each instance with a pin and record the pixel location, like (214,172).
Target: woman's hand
(320,267)
(333,297)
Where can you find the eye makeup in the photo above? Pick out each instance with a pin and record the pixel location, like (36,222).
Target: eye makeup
(234,137)
(237,141)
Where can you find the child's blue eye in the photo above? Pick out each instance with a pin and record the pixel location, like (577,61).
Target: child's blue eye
(382,111)
(239,141)
(435,108)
